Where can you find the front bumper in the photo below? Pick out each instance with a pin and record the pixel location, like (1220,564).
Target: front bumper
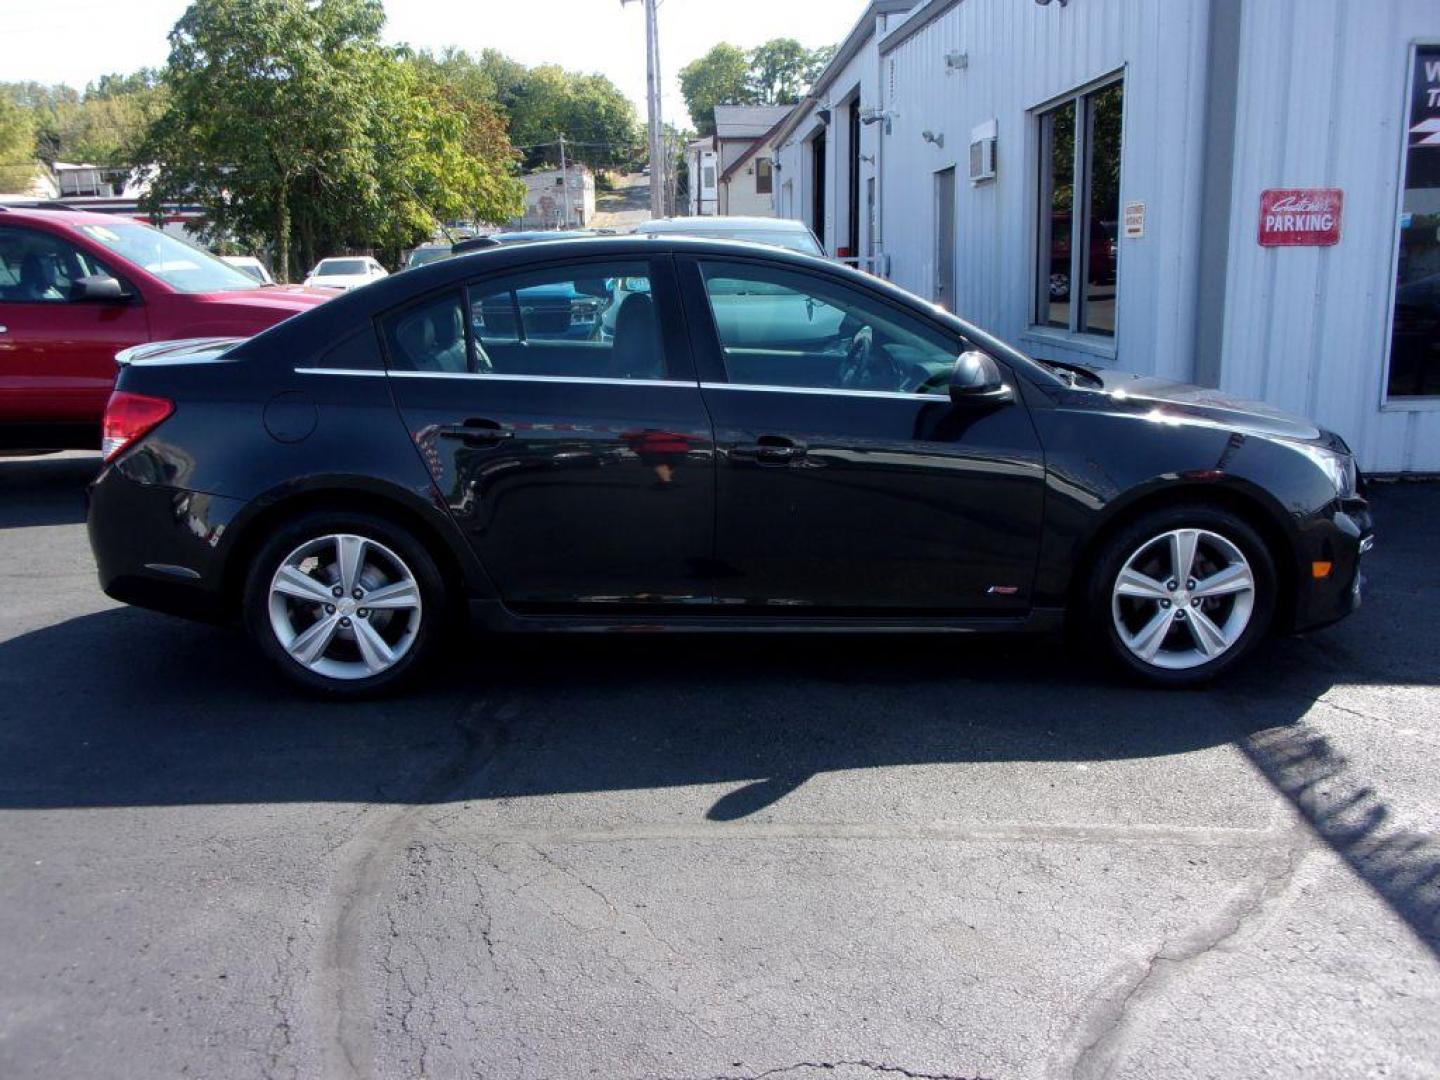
(160,547)
(1339,536)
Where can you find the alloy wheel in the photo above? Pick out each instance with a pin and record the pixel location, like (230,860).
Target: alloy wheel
(345,606)
(1183,599)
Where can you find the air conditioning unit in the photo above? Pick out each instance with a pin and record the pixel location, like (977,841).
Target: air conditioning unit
(983,148)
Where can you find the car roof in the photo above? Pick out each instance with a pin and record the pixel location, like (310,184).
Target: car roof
(722,224)
(60,214)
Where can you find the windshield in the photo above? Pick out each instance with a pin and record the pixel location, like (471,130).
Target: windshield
(341,267)
(182,266)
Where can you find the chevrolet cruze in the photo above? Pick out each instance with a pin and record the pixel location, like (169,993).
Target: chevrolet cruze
(760,441)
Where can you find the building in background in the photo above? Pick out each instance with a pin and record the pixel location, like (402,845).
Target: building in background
(744,158)
(747,186)
(549,204)
(107,190)
(702,164)
(1237,193)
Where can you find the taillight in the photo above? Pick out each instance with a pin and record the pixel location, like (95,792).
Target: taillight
(128,417)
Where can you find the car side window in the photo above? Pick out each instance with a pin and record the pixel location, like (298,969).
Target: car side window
(38,268)
(582,320)
(779,327)
(429,336)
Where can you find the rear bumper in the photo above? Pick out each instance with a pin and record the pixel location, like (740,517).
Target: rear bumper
(1338,536)
(160,547)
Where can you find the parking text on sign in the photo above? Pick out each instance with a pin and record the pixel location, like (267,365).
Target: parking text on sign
(1300,217)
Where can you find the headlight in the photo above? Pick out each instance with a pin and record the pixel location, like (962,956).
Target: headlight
(1338,467)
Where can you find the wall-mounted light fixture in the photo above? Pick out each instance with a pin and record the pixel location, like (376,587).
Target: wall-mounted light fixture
(938,138)
(956,61)
(873,115)
(1046,3)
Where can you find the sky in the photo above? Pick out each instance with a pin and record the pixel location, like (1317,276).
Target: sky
(75,41)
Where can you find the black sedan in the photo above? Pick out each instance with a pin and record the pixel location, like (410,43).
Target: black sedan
(751,440)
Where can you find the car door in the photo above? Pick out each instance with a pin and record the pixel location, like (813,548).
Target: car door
(580,465)
(57,352)
(846,480)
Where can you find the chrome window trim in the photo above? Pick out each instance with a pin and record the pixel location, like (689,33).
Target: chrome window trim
(891,394)
(492,376)
(895,395)
(497,377)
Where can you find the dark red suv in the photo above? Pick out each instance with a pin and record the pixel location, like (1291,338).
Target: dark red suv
(77,287)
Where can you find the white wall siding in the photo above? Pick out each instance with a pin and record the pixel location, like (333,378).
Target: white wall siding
(1323,104)
(1320,99)
(1021,55)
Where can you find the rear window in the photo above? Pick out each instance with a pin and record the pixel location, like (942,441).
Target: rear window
(341,266)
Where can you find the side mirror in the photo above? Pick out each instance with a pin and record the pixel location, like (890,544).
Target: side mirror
(976,379)
(98,287)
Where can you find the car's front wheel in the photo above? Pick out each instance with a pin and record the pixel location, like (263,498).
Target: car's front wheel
(1181,594)
(346,604)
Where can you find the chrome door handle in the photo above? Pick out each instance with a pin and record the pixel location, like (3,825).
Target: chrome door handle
(3,329)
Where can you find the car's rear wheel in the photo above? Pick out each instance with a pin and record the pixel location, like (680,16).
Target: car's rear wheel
(346,604)
(1181,594)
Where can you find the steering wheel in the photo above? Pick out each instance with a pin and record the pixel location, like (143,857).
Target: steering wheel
(855,368)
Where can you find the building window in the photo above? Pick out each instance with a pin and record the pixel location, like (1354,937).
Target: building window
(707,178)
(1076,261)
(1415,328)
(764,177)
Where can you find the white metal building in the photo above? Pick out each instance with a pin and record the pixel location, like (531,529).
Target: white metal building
(1240,193)
(703,168)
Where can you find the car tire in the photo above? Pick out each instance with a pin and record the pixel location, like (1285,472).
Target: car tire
(1214,619)
(361,651)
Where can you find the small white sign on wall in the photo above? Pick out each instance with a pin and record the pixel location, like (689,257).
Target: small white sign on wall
(1134,220)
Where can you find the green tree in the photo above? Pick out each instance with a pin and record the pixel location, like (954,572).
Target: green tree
(589,110)
(104,127)
(720,77)
(17,146)
(540,104)
(781,71)
(288,119)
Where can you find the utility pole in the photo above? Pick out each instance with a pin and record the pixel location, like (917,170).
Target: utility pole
(653,88)
(564,184)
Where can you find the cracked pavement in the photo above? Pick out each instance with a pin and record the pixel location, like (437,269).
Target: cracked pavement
(700,859)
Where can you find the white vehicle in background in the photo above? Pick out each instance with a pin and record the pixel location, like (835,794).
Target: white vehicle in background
(250,267)
(346,272)
(777,232)
(754,308)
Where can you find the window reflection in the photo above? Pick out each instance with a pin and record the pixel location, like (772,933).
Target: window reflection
(1104,111)
(1057,135)
(1080,152)
(1415,331)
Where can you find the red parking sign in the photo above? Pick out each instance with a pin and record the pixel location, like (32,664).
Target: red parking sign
(1300,217)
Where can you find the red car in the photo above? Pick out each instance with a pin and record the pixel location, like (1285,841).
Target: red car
(76,287)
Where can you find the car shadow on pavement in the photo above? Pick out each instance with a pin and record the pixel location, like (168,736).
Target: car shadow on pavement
(44,490)
(124,708)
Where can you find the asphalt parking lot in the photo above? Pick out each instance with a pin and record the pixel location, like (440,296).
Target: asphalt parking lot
(642,857)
